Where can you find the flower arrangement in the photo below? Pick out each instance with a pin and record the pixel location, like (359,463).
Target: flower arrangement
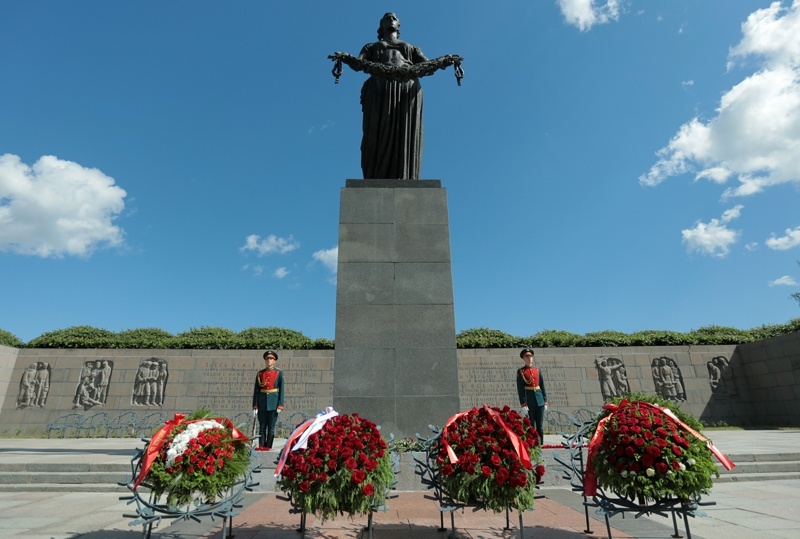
(344,467)
(194,457)
(646,449)
(490,456)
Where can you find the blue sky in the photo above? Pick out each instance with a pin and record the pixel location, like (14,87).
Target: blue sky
(620,165)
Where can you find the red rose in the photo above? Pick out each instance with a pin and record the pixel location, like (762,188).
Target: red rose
(486,471)
(495,460)
(304,486)
(501,476)
(661,432)
(677,450)
(639,442)
(540,470)
(634,467)
(332,464)
(653,450)
(358,476)
(625,440)
(351,463)
(647,461)
(661,442)
(661,467)
(675,465)
(630,451)
(368,489)
(447,469)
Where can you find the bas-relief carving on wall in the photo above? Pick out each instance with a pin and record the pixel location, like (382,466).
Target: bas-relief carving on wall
(92,387)
(150,384)
(612,376)
(720,376)
(34,385)
(668,379)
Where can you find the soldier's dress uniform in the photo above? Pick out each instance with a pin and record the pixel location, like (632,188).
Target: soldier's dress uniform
(530,386)
(268,398)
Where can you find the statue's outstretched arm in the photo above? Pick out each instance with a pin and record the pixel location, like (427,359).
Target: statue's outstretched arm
(421,69)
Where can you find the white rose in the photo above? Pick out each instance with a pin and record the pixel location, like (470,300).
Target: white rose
(682,466)
(650,472)
(691,462)
(624,473)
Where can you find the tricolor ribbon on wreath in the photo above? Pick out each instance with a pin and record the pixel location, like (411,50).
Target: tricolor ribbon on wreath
(299,437)
(590,476)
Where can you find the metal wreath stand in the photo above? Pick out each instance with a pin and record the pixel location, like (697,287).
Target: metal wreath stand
(150,512)
(608,504)
(425,468)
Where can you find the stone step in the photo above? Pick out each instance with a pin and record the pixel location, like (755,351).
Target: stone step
(763,457)
(768,476)
(83,478)
(776,466)
(63,487)
(64,467)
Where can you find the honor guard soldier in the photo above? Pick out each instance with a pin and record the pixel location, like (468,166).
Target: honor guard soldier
(268,400)
(532,394)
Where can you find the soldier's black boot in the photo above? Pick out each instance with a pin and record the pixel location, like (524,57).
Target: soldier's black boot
(270,439)
(262,441)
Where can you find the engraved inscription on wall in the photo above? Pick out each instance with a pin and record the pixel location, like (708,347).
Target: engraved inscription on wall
(226,385)
(555,379)
(494,383)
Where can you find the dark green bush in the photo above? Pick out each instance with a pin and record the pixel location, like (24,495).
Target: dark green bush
(324,344)
(286,339)
(486,338)
(9,339)
(721,335)
(274,338)
(148,338)
(75,337)
(551,338)
(659,338)
(206,338)
(603,338)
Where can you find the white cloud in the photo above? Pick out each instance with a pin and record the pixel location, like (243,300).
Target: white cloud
(713,238)
(586,13)
(56,208)
(687,83)
(270,244)
(791,239)
(755,135)
(786,280)
(328,257)
(281,272)
(752,246)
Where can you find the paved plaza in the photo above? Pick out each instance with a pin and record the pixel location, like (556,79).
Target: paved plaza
(764,509)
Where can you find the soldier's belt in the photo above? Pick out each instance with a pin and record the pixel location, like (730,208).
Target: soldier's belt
(269,390)
(529,388)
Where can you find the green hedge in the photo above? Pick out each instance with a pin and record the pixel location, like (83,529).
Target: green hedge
(215,338)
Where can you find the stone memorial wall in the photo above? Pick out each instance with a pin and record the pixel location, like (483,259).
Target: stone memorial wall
(750,384)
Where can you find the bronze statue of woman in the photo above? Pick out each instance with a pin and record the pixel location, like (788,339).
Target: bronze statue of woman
(391,100)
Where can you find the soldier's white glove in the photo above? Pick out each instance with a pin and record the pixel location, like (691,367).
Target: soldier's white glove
(279,410)
(255,413)
(546,407)
(524,409)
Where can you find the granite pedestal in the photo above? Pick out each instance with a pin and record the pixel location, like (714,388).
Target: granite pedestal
(396,358)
